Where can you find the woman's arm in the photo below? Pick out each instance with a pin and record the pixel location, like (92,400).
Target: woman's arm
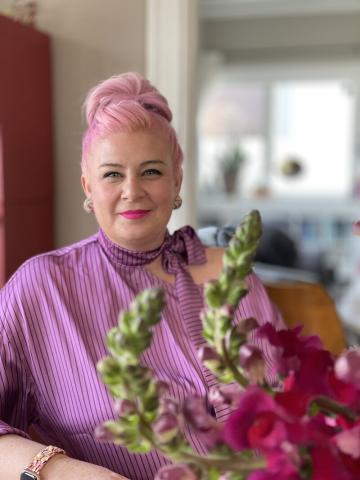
(18,405)
(17,452)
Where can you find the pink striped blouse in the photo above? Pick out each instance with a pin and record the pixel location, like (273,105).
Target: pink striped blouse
(55,313)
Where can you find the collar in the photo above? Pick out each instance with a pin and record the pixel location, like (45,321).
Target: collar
(181,247)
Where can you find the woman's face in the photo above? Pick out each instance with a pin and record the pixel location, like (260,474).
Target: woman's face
(132,181)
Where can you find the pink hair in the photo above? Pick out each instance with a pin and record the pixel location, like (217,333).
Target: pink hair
(126,103)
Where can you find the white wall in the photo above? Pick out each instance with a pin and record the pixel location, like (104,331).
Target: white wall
(91,40)
(172,58)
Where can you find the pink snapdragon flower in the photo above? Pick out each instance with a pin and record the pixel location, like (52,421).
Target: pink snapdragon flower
(347,367)
(197,416)
(312,375)
(348,441)
(280,466)
(294,402)
(288,346)
(225,395)
(252,360)
(327,464)
(258,422)
(344,392)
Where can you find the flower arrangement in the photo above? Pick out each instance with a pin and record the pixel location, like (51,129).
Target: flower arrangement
(307,426)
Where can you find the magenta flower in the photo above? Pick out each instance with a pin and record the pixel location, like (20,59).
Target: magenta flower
(251,359)
(268,475)
(257,423)
(197,415)
(347,367)
(225,395)
(289,346)
(295,402)
(344,392)
(281,465)
(348,442)
(267,431)
(313,373)
(319,430)
(327,465)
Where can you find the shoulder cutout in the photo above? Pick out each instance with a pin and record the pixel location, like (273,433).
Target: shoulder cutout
(209,270)
(214,257)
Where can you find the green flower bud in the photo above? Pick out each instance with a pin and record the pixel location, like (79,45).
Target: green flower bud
(110,370)
(213,294)
(237,291)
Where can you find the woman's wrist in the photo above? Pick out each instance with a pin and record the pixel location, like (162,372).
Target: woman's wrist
(39,462)
(56,467)
(63,467)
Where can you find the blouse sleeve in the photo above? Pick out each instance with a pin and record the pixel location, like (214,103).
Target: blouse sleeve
(17,399)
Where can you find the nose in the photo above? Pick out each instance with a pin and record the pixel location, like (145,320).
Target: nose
(132,188)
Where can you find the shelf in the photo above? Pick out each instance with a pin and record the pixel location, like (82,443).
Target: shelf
(231,208)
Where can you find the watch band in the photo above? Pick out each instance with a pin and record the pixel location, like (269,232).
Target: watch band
(32,471)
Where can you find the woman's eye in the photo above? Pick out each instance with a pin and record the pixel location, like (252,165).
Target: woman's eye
(152,172)
(111,174)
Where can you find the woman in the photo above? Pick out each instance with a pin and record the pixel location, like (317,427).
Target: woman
(58,306)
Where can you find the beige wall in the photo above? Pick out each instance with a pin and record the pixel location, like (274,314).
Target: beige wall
(276,38)
(91,40)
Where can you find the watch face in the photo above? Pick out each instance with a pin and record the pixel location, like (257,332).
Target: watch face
(28,476)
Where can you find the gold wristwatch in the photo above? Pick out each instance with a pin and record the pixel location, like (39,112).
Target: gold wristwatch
(32,471)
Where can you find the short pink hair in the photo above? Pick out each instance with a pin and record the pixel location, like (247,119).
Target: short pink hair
(127,103)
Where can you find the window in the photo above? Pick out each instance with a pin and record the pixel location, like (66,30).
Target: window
(296,135)
(312,123)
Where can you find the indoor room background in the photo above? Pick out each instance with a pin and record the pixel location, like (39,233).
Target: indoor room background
(266,104)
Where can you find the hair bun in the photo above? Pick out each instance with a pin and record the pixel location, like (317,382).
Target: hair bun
(126,103)
(119,90)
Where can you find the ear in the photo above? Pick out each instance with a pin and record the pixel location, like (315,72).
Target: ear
(85,185)
(178,179)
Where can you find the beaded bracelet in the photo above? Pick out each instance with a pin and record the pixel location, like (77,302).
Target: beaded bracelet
(32,471)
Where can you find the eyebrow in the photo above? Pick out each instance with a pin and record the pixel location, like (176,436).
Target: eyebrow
(142,164)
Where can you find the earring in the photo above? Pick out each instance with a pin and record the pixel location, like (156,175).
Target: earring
(177,202)
(88,205)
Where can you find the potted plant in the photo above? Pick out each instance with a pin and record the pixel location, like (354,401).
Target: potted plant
(230,164)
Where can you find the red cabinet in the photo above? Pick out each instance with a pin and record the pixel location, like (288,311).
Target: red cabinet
(26,145)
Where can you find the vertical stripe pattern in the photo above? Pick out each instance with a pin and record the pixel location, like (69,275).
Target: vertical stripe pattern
(55,313)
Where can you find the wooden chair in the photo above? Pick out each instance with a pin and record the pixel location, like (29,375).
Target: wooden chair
(309,304)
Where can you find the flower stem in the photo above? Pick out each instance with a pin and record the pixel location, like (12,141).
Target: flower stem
(230,365)
(233,463)
(225,463)
(332,406)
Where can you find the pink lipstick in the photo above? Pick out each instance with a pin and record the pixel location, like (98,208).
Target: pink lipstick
(134,214)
